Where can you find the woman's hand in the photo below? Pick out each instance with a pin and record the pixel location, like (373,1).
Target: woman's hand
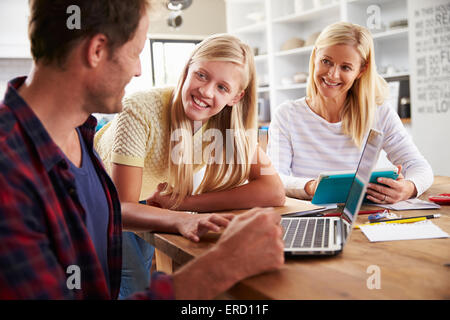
(310,187)
(190,226)
(194,226)
(391,191)
(158,200)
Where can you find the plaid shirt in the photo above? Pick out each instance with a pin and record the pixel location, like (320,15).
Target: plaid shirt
(45,247)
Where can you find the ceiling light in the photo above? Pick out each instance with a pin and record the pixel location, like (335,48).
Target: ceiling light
(177,5)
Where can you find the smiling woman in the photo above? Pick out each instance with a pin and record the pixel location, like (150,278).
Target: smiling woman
(325,130)
(337,67)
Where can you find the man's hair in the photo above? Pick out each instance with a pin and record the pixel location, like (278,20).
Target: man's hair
(52,39)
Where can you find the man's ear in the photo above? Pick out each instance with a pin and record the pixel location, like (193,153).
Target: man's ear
(238,97)
(97,49)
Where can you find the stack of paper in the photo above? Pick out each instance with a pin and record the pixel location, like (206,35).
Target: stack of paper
(410,204)
(403,231)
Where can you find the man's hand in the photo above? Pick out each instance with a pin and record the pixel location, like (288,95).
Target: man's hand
(251,244)
(253,241)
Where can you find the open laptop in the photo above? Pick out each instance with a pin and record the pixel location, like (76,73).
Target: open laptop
(328,235)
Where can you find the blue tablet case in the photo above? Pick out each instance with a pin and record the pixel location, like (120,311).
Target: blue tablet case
(333,188)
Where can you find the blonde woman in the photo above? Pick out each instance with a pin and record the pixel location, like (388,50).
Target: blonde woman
(325,130)
(163,136)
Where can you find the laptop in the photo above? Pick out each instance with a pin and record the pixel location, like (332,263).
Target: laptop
(328,235)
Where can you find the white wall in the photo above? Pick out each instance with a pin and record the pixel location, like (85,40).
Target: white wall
(202,18)
(14,29)
(429,43)
(12,68)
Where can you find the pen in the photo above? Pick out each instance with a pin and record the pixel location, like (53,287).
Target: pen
(402,220)
(431,216)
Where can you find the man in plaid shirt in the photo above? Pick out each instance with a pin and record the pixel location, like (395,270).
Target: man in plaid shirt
(60,215)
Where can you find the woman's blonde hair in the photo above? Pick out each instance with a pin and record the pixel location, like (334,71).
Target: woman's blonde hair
(367,92)
(241,118)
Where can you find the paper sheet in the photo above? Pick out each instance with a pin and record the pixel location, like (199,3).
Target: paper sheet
(410,204)
(403,231)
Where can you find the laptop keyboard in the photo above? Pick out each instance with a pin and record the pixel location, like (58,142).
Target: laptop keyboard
(306,233)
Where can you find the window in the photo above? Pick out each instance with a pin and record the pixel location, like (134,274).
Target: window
(168,59)
(144,82)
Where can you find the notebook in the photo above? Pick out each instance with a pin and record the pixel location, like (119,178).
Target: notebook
(328,235)
(403,231)
(333,186)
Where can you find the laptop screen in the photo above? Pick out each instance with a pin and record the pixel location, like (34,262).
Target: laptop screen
(358,188)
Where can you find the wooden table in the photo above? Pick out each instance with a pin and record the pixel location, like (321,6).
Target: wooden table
(412,269)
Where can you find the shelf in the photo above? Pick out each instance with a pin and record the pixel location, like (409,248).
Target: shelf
(369,2)
(261,58)
(395,75)
(406,120)
(283,20)
(309,15)
(263,124)
(291,86)
(377,36)
(302,50)
(263,89)
(244,1)
(251,28)
(390,34)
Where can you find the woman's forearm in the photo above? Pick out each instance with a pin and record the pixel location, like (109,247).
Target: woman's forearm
(141,217)
(257,193)
(264,189)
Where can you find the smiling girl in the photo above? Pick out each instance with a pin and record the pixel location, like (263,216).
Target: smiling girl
(150,147)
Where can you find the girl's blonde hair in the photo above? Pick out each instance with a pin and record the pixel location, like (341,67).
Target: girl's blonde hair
(367,92)
(241,118)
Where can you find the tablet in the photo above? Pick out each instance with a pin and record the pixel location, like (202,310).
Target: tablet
(333,187)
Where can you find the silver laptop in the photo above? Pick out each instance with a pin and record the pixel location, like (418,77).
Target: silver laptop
(328,235)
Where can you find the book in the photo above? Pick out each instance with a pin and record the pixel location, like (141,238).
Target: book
(333,187)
